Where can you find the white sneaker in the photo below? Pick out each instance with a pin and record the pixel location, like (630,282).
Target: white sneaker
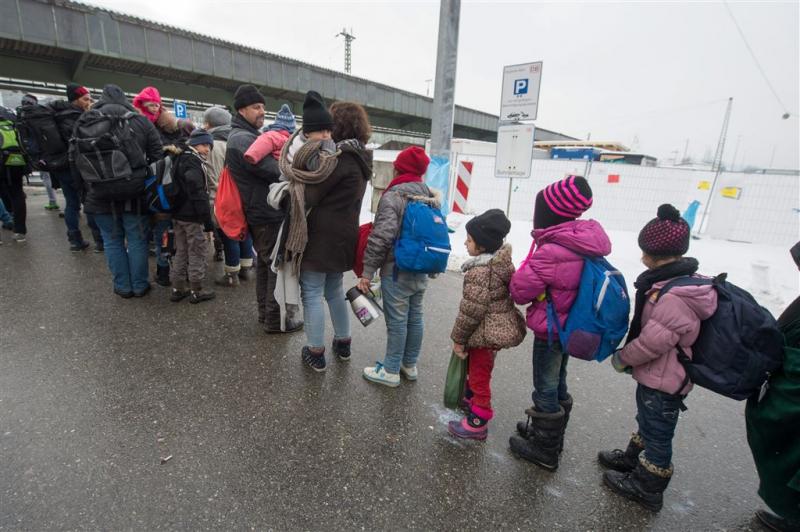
(379,375)
(409,372)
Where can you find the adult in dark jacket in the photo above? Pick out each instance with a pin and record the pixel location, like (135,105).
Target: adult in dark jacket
(192,220)
(335,205)
(123,224)
(253,181)
(67,113)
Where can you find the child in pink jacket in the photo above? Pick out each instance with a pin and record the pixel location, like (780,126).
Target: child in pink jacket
(272,140)
(660,325)
(553,269)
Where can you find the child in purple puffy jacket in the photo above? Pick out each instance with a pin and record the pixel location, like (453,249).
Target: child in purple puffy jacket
(553,268)
(660,326)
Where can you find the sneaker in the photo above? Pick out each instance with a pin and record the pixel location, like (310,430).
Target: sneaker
(200,294)
(470,427)
(179,294)
(409,372)
(18,237)
(315,361)
(341,348)
(51,206)
(379,375)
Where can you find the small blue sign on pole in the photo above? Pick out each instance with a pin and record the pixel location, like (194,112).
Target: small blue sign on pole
(180,109)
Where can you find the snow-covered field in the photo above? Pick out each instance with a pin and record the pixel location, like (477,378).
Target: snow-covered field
(767,272)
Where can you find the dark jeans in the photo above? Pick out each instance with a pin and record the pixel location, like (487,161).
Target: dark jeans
(549,375)
(13,195)
(265,237)
(236,250)
(657,415)
(162,253)
(72,211)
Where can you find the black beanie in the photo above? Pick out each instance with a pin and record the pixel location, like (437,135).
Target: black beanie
(489,229)
(75,91)
(247,95)
(316,116)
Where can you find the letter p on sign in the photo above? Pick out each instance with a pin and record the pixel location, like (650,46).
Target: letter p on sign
(521,86)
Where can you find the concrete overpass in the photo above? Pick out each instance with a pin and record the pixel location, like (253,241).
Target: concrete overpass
(57,41)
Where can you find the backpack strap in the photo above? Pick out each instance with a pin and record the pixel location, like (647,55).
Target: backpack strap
(691,281)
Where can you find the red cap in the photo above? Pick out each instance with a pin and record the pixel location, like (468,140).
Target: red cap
(412,161)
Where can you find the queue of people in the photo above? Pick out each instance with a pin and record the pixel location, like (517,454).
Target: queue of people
(301,193)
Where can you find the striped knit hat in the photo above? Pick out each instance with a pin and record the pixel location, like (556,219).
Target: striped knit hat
(562,201)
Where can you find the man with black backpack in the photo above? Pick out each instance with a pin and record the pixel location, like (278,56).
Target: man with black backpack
(111,147)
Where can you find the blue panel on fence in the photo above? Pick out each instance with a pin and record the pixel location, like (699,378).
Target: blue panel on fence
(438,177)
(691,213)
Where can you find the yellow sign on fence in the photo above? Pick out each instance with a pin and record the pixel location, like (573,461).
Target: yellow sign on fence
(704,185)
(731,192)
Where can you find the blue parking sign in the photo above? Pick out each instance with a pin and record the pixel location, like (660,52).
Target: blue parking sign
(521,86)
(180,109)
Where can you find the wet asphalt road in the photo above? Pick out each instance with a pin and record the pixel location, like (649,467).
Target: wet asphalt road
(96,390)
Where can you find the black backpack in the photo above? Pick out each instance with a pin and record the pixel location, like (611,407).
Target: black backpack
(40,138)
(738,347)
(163,190)
(108,156)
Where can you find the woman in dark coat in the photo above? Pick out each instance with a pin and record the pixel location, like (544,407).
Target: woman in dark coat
(335,205)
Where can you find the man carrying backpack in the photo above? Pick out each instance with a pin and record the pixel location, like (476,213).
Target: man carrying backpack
(14,166)
(112,146)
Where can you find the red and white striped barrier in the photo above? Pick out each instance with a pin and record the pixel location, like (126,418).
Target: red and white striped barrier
(463,178)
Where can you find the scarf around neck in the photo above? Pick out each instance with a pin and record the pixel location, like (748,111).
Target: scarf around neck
(402,178)
(646,280)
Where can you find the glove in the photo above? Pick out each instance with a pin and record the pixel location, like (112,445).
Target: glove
(619,365)
(208,226)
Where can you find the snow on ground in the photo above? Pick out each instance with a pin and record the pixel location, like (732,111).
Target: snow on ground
(743,262)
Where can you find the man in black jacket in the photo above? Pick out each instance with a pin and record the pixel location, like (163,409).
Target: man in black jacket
(253,182)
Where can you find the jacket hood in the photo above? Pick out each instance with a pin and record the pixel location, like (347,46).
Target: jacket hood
(113,96)
(148,94)
(584,237)
(362,155)
(701,299)
(220,132)
(501,255)
(416,191)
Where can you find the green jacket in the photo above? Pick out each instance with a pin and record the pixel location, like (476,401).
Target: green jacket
(773,426)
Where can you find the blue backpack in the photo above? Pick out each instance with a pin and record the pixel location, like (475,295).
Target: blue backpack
(738,346)
(162,189)
(424,242)
(598,320)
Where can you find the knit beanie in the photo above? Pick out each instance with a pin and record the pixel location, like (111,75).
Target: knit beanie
(412,160)
(489,229)
(667,235)
(316,116)
(75,91)
(562,201)
(29,99)
(217,116)
(247,95)
(200,136)
(284,120)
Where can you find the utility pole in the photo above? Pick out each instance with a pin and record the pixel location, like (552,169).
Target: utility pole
(428,87)
(717,162)
(444,97)
(735,152)
(685,151)
(348,39)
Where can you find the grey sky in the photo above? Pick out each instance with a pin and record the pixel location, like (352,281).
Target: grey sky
(660,72)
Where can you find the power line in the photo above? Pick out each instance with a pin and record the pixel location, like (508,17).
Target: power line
(755,59)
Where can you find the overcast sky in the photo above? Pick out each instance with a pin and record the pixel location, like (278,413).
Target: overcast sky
(649,73)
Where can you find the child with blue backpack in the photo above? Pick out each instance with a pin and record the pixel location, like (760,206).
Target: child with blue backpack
(662,326)
(402,291)
(551,274)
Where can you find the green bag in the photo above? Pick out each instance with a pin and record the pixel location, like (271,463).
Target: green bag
(454,385)
(9,144)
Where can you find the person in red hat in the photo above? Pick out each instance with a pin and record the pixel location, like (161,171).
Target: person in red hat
(403,292)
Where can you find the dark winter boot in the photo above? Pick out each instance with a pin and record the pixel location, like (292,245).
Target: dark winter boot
(228,278)
(776,522)
(620,460)
(470,427)
(541,447)
(162,275)
(97,236)
(200,294)
(341,348)
(76,241)
(645,484)
(523,427)
(179,292)
(247,273)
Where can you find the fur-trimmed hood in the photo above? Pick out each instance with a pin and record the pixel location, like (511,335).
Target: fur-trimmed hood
(501,255)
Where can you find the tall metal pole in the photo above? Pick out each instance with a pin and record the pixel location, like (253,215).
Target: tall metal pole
(717,164)
(348,39)
(444,98)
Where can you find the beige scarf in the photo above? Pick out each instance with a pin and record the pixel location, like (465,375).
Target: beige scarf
(299,177)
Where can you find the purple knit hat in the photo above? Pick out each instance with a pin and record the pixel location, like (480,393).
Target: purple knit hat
(667,235)
(562,201)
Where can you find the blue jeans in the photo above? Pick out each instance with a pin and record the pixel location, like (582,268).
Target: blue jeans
(549,375)
(128,265)
(657,415)
(402,308)
(236,250)
(159,227)
(5,216)
(313,287)
(73,208)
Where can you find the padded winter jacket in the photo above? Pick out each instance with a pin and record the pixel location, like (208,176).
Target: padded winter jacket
(253,180)
(668,322)
(487,316)
(189,171)
(216,159)
(379,253)
(556,265)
